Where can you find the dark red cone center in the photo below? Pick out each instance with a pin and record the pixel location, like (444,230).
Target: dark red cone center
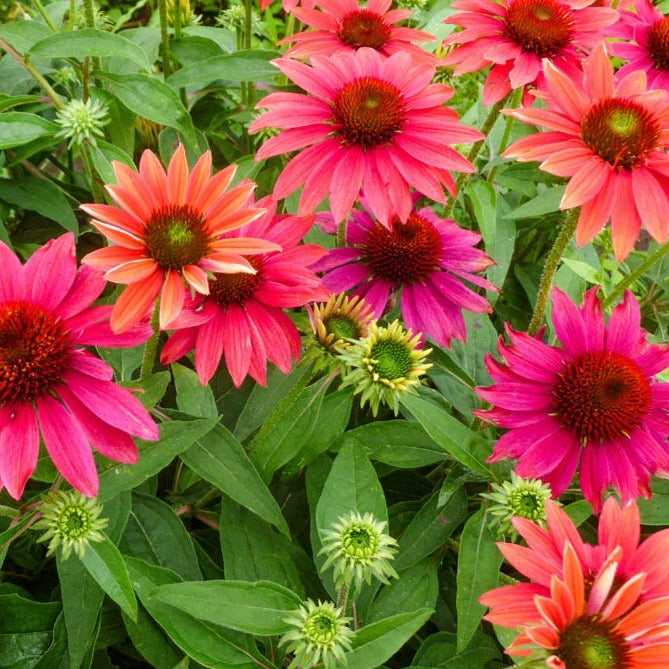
(658,43)
(364,28)
(542,27)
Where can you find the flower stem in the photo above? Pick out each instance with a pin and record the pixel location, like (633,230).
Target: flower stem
(45,16)
(342,597)
(164,38)
(635,274)
(89,15)
(552,262)
(516,98)
(151,346)
(249,100)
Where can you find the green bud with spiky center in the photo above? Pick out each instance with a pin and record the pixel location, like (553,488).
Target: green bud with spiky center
(519,497)
(71,521)
(319,635)
(359,549)
(81,121)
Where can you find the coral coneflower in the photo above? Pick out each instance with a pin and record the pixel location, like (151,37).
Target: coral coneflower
(167,229)
(645,35)
(49,385)
(242,317)
(343,25)
(515,35)
(369,122)
(595,400)
(574,616)
(424,257)
(611,142)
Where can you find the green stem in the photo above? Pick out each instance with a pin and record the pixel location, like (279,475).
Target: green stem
(248,40)
(341,234)
(164,38)
(635,274)
(472,154)
(552,263)
(151,346)
(45,16)
(44,84)
(342,597)
(516,99)
(176,17)
(89,15)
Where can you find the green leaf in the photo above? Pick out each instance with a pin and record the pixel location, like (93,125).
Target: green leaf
(254,551)
(546,202)
(192,396)
(398,443)
(18,128)
(210,645)
(87,42)
(416,588)
(155,533)
(375,643)
(23,34)
(175,437)
(238,66)
(153,99)
(440,650)
(105,564)
(282,436)
(154,387)
(588,272)
(220,459)
(465,445)
(479,561)
(150,641)
(352,485)
(8,535)
(430,528)
(257,608)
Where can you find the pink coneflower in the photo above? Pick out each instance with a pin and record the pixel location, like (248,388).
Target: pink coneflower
(242,317)
(343,25)
(49,385)
(573,617)
(425,257)
(646,43)
(611,141)
(167,229)
(515,35)
(369,122)
(595,399)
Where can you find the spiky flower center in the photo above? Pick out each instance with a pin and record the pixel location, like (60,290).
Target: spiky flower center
(34,351)
(391,359)
(237,288)
(343,327)
(658,43)
(360,541)
(591,643)
(364,28)
(74,521)
(542,27)
(527,503)
(620,131)
(321,626)
(368,112)
(407,253)
(601,396)
(175,237)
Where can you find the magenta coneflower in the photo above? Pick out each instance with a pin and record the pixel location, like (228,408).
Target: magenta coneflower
(646,43)
(611,142)
(595,400)
(167,231)
(343,25)
(576,613)
(369,122)
(50,386)
(242,318)
(515,35)
(426,258)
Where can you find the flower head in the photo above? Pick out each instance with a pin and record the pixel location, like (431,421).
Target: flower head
(186,16)
(362,124)
(81,121)
(71,521)
(242,318)
(595,399)
(359,548)
(581,609)
(169,228)
(518,498)
(320,635)
(425,258)
(515,35)
(344,26)
(384,365)
(611,142)
(50,386)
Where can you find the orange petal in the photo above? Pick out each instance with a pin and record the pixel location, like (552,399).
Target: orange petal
(118,235)
(197,278)
(115,216)
(112,256)
(177,176)
(134,303)
(133,271)
(625,598)
(171,298)
(213,188)
(153,174)
(244,245)
(198,177)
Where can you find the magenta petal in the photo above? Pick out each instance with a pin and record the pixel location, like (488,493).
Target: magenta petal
(19,446)
(90,365)
(12,284)
(67,445)
(624,329)
(238,346)
(209,346)
(87,287)
(569,324)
